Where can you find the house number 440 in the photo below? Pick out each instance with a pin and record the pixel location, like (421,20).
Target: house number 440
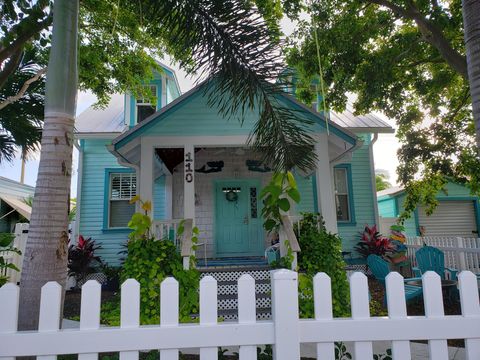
(188,167)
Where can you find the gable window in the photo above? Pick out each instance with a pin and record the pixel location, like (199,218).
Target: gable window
(123,186)
(144,106)
(343,197)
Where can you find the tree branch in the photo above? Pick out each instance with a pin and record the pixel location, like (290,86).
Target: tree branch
(10,67)
(12,99)
(25,33)
(431,34)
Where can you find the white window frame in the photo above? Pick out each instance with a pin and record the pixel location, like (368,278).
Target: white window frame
(347,193)
(131,193)
(144,102)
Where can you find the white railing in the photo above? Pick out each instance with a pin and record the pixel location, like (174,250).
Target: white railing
(285,331)
(167,230)
(21,234)
(460,253)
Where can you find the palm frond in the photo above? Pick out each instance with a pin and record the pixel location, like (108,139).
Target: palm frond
(231,41)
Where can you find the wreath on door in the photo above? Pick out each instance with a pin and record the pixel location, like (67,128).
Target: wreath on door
(231,196)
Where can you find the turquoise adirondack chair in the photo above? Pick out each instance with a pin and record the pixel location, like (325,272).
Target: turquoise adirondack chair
(430,258)
(380,270)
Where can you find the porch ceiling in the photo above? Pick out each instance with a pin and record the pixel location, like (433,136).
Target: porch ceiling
(171,157)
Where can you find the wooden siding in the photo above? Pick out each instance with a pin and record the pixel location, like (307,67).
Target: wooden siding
(195,117)
(159,198)
(307,198)
(386,208)
(363,198)
(96,159)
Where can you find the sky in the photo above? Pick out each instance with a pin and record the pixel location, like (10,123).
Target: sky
(384,149)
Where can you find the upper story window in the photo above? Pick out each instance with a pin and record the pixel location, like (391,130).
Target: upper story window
(342,195)
(144,106)
(123,186)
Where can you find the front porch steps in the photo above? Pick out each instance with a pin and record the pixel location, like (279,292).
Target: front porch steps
(227,278)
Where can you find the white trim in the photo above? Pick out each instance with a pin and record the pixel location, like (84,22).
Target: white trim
(189,186)
(324,184)
(146,174)
(76,230)
(203,141)
(373,180)
(163,94)
(127,107)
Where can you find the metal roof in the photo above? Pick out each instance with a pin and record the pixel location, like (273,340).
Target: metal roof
(366,122)
(110,119)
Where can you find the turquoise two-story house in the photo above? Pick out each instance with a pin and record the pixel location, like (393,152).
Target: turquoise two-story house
(194,164)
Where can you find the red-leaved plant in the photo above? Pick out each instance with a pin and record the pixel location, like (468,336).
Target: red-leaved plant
(372,242)
(81,258)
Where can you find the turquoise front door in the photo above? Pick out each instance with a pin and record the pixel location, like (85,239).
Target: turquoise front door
(237,231)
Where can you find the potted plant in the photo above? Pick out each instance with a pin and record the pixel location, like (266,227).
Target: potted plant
(372,242)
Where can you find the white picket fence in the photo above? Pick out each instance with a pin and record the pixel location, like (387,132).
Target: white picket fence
(21,234)
(460,253)
(285,331)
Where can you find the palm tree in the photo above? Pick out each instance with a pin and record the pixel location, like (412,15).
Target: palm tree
(471,23)
(46,249)
(227,39)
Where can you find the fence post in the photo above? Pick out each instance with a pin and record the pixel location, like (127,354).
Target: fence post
(470,308)
(322,294)
(9,297)
(433,299)
(90,311)
(130,312)
(50,306)
(208,312)
(360,310)
(285,315)
(247,311)
(169,297)
(462,261)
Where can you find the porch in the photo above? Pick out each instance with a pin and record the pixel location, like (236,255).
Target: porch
(215,181)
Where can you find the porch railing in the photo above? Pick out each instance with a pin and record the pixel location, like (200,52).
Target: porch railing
(167,230)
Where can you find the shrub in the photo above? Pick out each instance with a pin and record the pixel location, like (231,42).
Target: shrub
(150,262)
(82,259)
(6,246)
(372,242)
(321,252)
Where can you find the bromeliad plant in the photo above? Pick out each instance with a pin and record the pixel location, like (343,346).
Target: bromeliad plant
(372,242)
(82,259)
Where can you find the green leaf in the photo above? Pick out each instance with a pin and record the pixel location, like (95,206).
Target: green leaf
(269,224)
(294,194)
(291,180)
(284,204)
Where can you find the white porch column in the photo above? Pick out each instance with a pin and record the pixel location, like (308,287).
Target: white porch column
(325,188)
(146,173)
(189,182)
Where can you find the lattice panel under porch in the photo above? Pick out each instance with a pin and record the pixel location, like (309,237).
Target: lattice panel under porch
(229,288)
(235,275)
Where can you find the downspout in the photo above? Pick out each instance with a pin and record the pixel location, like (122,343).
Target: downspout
(76,230)
(374,183)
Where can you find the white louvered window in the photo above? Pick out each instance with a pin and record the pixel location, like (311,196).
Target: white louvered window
(123,187)
(144,106)
(342,196)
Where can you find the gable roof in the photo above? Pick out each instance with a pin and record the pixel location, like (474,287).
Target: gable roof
(138,129)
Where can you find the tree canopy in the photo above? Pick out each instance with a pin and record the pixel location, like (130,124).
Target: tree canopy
(406,59)
(237,41)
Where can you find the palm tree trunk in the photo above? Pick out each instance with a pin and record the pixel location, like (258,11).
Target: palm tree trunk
(46,250)
(471,22)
